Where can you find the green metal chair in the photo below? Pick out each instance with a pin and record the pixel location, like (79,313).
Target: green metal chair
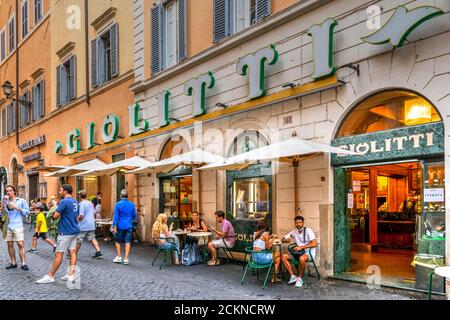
(165,251)
(311,260)
(253,265)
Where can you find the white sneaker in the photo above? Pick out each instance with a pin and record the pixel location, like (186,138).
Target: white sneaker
(45,279)
(299,283)
(68,278)
(117,260)
(293,279)
(125,261)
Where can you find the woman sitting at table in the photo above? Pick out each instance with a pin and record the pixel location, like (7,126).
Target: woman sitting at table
(197,225)
(160,232)
(263,241)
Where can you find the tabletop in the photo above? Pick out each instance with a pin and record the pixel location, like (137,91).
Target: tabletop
(199,234)
(442,271)
(179,232)
(104,222)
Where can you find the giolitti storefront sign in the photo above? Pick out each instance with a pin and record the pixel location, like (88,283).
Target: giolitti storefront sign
(423,141)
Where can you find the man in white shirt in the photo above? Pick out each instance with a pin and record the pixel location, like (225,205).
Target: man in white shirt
(304,250)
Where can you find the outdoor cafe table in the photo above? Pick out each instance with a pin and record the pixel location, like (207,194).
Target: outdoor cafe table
(203,234)
(103,222)
(180,234)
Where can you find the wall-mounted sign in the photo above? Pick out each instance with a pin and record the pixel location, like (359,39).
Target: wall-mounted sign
(356,186)
(252,66)
(433,195)
(422,141)
(32,157)
(32,143)
(350,201)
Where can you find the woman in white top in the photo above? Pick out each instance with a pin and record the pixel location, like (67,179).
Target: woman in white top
(160,231)
(263,241)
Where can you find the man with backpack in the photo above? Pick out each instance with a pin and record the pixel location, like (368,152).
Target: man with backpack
(304,250)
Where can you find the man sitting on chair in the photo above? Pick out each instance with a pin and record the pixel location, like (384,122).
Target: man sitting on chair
(224,238)
(304,251)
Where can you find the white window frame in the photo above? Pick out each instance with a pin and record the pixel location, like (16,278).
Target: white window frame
(13,17)
(41,11)
(27,4)
(167,39)
(239,14)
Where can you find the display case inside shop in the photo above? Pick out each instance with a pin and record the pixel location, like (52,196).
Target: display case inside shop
(432,235)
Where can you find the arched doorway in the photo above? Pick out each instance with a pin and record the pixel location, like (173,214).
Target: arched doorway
(249,191)
(176,196)
(389,201)
(15,173)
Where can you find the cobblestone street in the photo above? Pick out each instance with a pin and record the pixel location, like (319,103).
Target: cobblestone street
(102,279)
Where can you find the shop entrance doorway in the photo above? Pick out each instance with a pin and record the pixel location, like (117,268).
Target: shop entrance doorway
(383,210)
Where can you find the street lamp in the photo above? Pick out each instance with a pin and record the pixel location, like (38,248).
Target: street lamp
(8,91)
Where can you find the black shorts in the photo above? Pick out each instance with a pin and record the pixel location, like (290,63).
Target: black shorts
(42,235)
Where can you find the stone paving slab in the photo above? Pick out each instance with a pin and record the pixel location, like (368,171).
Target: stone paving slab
(101,279)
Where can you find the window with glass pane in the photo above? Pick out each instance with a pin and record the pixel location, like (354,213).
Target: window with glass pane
(388,110)
(250,198)
(170,34)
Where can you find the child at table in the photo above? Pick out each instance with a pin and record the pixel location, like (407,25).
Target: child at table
(263,241)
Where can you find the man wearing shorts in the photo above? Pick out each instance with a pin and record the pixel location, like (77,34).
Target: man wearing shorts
(17,209)
(224,238)
(68,231)
(124,214)
(304,250)
(86,222)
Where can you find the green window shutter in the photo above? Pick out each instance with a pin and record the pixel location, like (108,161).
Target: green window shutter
(262,9)
(94,66)
(182,30)
(156,39)
(114,52)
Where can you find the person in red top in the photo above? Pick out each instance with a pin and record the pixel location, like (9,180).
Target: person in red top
(224,238)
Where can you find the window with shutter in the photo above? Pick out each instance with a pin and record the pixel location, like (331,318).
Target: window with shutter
(114,51)
(38,10)
(14,117)
(156,38)
(3,45)
(22,114)
(72,78)
(170,35)
(64,88)
(220,18)
(58,86)
(4,122)
(24,18)
(262,9)
(27,109)
(94,65)
(12,34)
(182,30)
(41,98)
(101,62)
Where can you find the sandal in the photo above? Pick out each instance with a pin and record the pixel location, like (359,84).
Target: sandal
(277,279)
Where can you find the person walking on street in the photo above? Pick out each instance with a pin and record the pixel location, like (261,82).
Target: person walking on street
(41,229)
(124,214)
(68,231)
(86,222)
(17,209)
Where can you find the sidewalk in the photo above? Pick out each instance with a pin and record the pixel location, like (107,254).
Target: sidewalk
(102,279)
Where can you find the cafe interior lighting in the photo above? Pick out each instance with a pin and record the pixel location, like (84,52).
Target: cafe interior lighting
(417,111)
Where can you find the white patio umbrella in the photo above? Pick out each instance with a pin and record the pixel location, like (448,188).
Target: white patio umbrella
(194,158)
(68,171)
(291,151)
(111,168)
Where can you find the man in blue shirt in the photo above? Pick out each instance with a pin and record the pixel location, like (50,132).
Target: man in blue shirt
(68,231)
(17,209)
(124,214)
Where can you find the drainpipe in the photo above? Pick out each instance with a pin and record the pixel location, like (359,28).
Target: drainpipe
(86,45)
(17,72)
